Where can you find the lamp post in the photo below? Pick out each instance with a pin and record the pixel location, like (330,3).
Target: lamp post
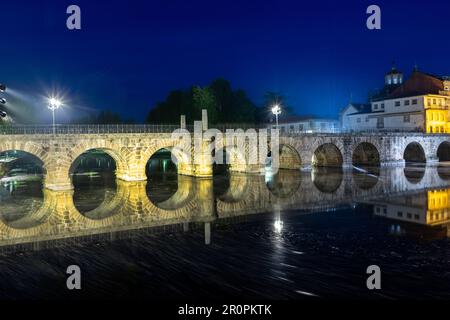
(276,110)
(53,105)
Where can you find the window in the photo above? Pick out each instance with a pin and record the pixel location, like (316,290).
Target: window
(406,118)
(380,122)
(382,106)
(358,120)
(414,101)
(375,106)
(406,103)
(367,119)
(434,101)
(400,214)
(409,215)
(397,103)
(300,127)
(416,216)
(292,128)
(429,102)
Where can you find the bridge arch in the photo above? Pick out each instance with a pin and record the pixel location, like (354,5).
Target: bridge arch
(366,154)
(443,151)
(14,156)
(289,157)
(414,152)
(179,156)
(327,155)
(119,161)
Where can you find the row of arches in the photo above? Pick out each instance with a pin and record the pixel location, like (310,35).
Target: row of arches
(16,163)
(365,154)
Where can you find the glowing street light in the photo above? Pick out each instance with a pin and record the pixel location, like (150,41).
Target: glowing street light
(54,104)
(276,110)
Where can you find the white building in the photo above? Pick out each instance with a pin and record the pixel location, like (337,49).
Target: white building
(296,124)
(420,104)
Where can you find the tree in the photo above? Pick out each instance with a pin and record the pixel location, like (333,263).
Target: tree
(222,103)
(204,99)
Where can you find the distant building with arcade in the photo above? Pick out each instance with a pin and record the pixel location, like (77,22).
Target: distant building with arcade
(299,124)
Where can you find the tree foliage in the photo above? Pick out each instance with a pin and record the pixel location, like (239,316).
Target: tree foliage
(224,105)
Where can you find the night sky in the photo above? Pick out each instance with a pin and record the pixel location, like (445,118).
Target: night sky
(130,54)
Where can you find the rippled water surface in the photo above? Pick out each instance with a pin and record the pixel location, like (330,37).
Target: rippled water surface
(291,235)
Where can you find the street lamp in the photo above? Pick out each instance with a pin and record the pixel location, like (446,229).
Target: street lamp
(54,104)
(276,110)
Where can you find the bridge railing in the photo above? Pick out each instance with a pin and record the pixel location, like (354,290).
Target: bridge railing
(86,129)
(108,128)
(168,128)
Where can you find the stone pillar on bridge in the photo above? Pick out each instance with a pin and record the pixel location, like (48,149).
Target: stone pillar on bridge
(57,172)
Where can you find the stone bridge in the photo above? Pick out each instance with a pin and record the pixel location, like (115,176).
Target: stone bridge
(131,152)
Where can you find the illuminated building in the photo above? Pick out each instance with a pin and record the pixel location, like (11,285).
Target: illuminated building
(297,124)
(420,104)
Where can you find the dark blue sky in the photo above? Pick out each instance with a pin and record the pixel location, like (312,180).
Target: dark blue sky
(130,54)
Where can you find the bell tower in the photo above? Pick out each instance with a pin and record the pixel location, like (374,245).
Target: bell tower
(393,77)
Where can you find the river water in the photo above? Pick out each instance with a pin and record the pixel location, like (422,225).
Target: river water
(292,235)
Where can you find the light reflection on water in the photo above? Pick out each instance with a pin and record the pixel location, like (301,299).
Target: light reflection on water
(291,235)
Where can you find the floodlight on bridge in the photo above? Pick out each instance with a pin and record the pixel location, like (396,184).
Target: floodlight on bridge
(276,110)
(53,104)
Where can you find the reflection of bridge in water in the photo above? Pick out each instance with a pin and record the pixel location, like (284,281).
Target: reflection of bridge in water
(129,208)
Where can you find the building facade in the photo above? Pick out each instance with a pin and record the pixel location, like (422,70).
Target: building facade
(421,104)
(297,124)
